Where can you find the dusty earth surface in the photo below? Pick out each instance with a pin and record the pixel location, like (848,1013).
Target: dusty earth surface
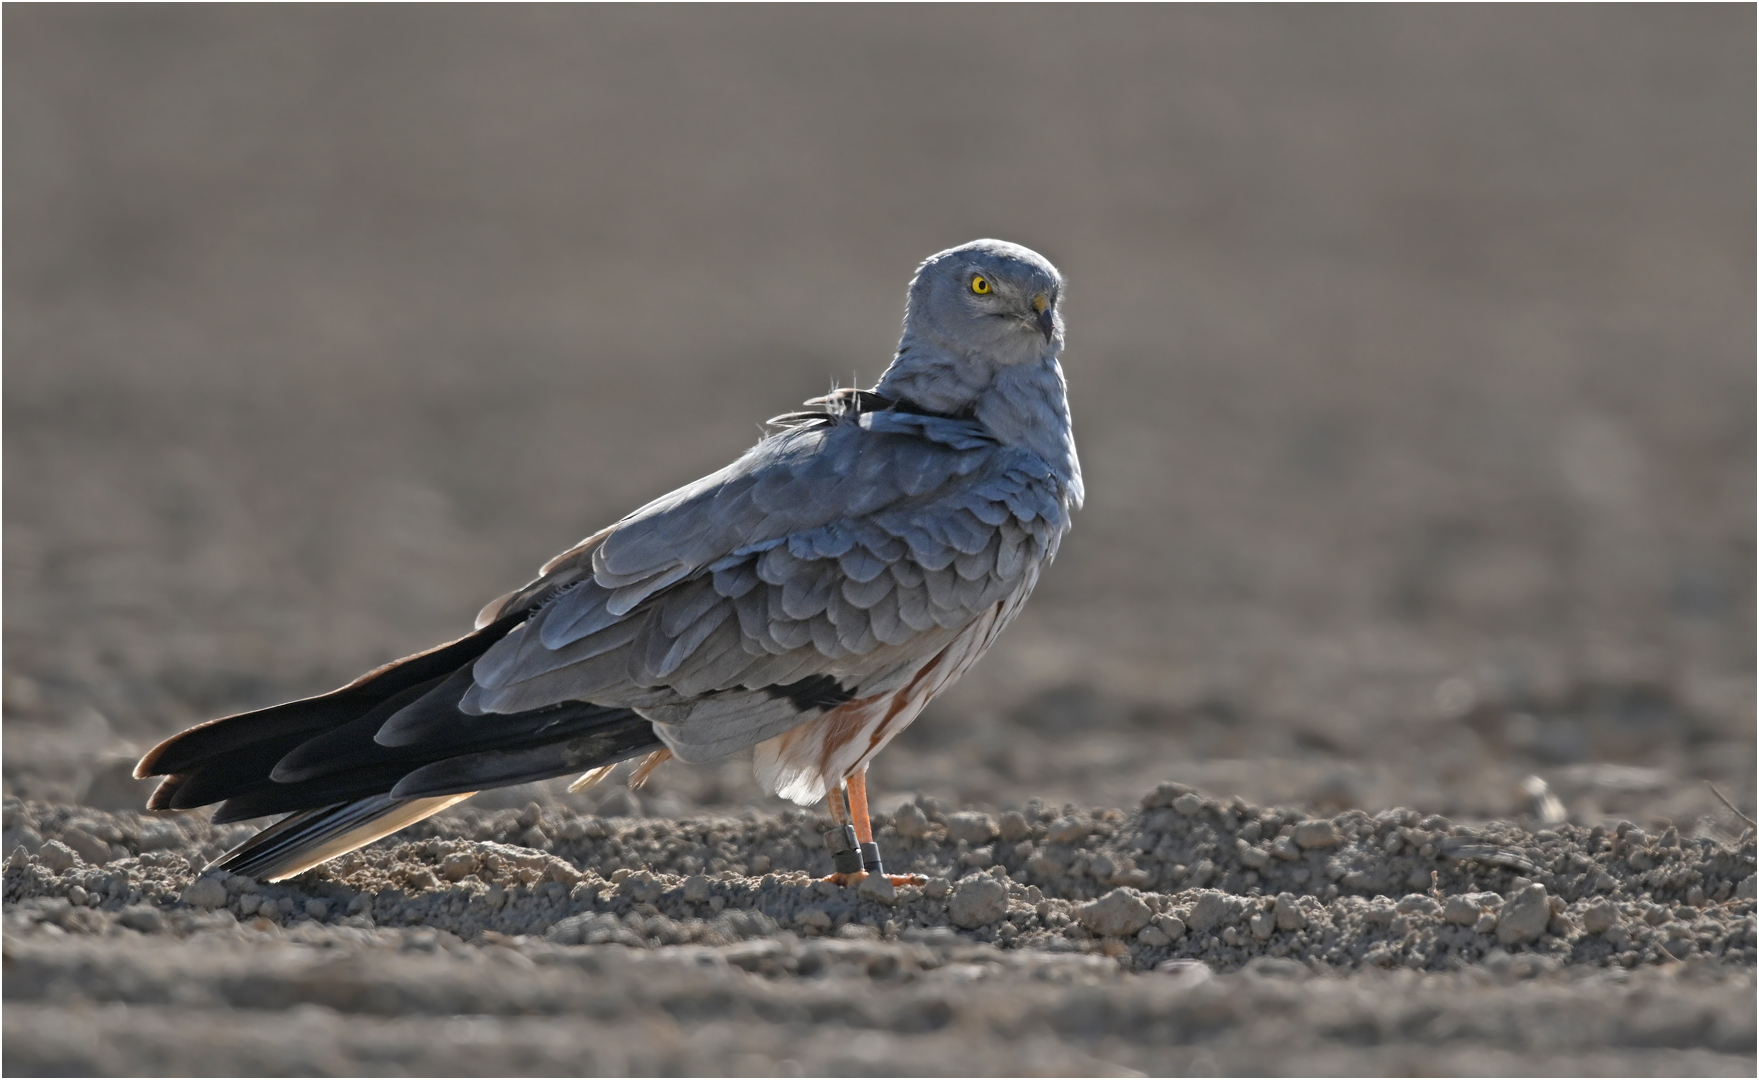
(1408,624)
(1186,935)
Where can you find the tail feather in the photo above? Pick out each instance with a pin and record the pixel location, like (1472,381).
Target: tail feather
(301,841)
(320,760)
(204,741)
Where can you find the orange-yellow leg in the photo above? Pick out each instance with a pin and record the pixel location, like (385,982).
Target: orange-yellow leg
(854,789)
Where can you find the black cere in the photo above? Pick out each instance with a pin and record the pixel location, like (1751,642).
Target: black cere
(817,692)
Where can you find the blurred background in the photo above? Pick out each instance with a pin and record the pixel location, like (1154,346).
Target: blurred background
(1411,353)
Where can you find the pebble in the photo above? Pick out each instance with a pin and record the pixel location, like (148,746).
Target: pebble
(1214,909)
(1525,917)
(1119,913)
(57,856)
(879,889)
(89,847)
(972,828)
(1066,831)
(912,822)
(1188,804)
(1289,915)
(206,893)
(978,900)
(1316,834)
(142,917)
(459,865)
(1600,917)
(1251,857)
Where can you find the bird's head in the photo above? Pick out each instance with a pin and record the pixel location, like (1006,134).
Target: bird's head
(988,299)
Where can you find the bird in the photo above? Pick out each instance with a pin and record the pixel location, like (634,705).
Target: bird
(803,603)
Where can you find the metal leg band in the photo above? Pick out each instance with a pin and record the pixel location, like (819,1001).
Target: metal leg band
(845,857)
(870,859)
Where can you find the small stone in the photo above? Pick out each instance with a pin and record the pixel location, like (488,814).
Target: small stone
(1066,830)
(458,866)
(878,888)
(1118,913)
(142,917)
(1263,925)
(206,893)
(249,903)
(1170,925)
(57,857)
(1163,795)
(1316,834)
(1485,923)
(19,859)
(814,920)
(1283,847)
(937,888)
(1600,917)
(1013,827)
(1524,918)
(1417,904)
(973,828)
(1200,874)
(979,900)
(1214,909)
(317,910)
(1153,937)
(696,888)
(912,822)
(1289,915)
(88,847)
(1251,857)
(1462,910)
(1188,804)
(534,837)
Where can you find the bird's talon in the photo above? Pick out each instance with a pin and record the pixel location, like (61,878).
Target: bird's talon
(849,881)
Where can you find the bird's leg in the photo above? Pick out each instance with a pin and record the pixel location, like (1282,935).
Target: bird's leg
(841,841)
(856,787)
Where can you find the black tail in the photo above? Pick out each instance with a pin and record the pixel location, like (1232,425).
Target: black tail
(317,756)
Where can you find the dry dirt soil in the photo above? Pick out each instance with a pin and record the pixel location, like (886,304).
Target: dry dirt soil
(1367,722)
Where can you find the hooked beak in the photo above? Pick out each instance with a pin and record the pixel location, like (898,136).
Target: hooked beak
(1047,319)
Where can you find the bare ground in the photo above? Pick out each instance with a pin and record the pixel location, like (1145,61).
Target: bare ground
(1185,935)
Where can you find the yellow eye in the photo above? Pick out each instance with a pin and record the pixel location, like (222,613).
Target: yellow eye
(979,284)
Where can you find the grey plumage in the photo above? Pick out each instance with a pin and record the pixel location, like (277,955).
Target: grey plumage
(874,539)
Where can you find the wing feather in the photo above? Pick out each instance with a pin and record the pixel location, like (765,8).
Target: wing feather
(835,558)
